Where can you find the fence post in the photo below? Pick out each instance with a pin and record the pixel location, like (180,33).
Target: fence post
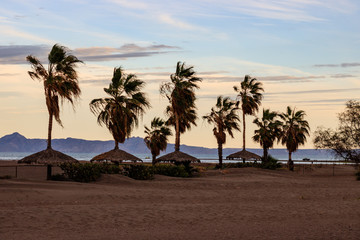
(16,170)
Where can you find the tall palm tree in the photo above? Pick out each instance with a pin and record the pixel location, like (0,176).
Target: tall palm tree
(180,92)
(60,81)
(269,129)
(294,131)
(157,137)
(249,96)
(225,119)
(120,111)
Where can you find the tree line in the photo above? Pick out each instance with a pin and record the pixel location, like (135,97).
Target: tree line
(126,103)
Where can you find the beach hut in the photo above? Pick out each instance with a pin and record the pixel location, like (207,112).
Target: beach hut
(116,156)
(244,156)
(178,157)
(48,156)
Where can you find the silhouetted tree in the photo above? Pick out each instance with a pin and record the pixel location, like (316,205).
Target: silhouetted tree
(345,140)
(225,119)
(121,110)
(249,96)
(60,81)
(294,131)
(269,129)
(156,137)
(180,92)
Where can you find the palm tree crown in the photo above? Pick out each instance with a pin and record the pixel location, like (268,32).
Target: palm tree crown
(121,110)
(180,92)
(269,129)
(157,137)
(249,96)
(295,129)
(225,119)
(60,81)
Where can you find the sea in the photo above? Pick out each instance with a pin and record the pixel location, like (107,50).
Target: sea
(280,154)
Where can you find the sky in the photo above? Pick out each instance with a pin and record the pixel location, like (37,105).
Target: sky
(306,53)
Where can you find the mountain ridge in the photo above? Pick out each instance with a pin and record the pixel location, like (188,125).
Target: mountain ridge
(16,142)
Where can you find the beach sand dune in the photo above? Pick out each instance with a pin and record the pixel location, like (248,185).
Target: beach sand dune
(230,204)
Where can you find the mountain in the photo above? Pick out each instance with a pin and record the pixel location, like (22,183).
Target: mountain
(17,143)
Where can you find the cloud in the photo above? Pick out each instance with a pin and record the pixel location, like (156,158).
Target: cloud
(342,76)
(275,79)
(16,54)
(123,52)
(316,91)
(7,94)
(344,65)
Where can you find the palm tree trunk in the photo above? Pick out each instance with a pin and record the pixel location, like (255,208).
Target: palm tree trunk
(290,162)
(116,145)
(244,128)
(177,134)
(220,150)
(265,154)
(49,131)
(153,159)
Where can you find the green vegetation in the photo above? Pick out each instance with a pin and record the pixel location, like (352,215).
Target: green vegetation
(249,96)
(294,131)
(345,141)
(60,81)
(157,137)
(269,129)
(224,119)
(180,92)
(121,110)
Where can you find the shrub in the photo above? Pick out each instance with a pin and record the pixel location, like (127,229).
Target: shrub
(358,176)
(271,164)
(5,177)
(58,177)
(171,170)
(139,172)
(78,172)
(109,168)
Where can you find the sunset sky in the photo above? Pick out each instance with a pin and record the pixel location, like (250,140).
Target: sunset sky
(305,52)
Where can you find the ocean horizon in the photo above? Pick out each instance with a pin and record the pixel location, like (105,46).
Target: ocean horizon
(280,154)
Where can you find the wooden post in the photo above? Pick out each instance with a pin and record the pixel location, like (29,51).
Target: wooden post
(49,168)
(16,172)
(333,169)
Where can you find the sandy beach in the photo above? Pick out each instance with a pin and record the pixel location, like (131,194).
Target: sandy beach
(243,203)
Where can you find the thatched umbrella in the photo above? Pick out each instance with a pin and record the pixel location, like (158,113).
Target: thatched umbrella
(178,157)
(117,156)
(243,155)
(48,156)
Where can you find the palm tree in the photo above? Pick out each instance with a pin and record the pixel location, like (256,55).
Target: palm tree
(225,119)
(157,137)
(269,129)
(180,92)
(60,81)
(294,131)
(249,97)
(120,111)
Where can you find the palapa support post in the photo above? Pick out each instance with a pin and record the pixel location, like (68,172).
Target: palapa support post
(49,172)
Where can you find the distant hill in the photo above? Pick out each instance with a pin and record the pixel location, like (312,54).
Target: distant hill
(18,143)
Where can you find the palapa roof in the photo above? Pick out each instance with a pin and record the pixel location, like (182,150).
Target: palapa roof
(116,155)
(48,156)
(177,156)
(244,155)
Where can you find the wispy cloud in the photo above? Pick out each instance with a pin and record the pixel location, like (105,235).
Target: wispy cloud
(123,52)
(16,54)
(344,65)
(315,91)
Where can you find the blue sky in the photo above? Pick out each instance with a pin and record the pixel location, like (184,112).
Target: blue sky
(306,53)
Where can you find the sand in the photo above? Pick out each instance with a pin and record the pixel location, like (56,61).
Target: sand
(244,203)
